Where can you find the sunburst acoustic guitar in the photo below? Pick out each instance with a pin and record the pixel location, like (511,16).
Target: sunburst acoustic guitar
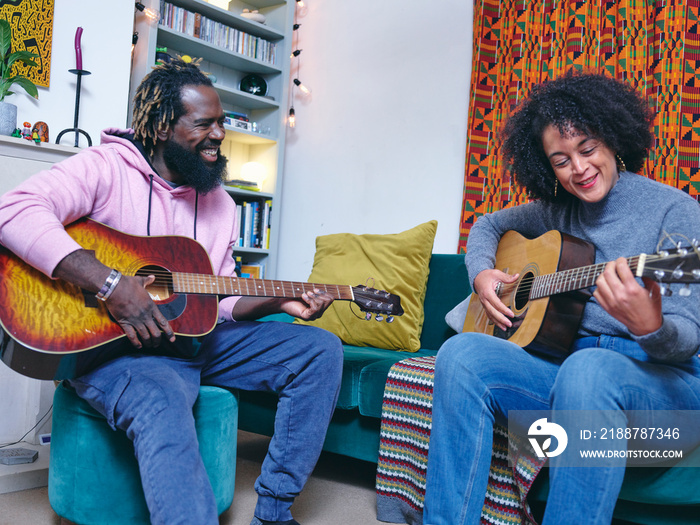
(549,296)
(45,320)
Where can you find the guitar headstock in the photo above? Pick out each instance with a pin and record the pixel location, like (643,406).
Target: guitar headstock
(677,265)
(373,301)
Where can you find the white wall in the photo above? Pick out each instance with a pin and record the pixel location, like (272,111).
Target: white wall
(378,148)
(106,46)
(380,145)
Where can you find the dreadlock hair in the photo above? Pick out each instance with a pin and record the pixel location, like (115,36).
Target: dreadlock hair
(589,103)
(158,100)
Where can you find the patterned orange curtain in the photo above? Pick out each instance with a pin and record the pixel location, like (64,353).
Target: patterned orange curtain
(654,45)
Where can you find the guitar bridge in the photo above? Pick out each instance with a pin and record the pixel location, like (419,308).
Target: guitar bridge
(90,299)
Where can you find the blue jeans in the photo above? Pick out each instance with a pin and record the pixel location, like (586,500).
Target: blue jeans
(151,397)
(479,378)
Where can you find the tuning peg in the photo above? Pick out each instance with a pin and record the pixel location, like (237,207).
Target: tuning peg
(659,274)
(665,290)
(677,274)
(685,291)
(379,318)
(390,319)
(368,316)
(696,274)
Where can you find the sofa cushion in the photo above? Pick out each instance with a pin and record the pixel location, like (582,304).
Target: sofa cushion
(397,263)
(373,380)
(363,382)
(448,284)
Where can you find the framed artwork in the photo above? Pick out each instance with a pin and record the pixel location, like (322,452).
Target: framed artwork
(32,30)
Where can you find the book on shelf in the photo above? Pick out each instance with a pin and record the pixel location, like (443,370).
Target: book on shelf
(239,222)
(255,226)
(265,225)
(246,228)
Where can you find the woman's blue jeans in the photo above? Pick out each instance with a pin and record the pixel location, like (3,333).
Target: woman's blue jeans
(151,397)
(480,378)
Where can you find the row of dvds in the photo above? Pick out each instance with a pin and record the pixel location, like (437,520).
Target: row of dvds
(199,26)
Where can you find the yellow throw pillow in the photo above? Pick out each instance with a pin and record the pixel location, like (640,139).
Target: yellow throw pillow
(397,263)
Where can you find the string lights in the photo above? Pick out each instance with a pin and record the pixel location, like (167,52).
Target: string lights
(304,89)
(153,15)
(300,10)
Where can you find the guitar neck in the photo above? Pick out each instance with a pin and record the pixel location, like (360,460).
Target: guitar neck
(576,278)
(189,283)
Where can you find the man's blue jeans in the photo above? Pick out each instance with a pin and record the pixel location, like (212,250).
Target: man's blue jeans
(151,397)
(479,379)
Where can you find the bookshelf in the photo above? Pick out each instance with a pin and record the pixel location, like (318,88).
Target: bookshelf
(264,145)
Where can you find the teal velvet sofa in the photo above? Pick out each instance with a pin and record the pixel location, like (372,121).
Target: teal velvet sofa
(354,429)
(649,495)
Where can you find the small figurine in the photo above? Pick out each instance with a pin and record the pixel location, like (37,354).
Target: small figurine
(41,131)
(27,131)
(162,56)
(17,133)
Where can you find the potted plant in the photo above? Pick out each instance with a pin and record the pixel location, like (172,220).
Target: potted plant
(8,112)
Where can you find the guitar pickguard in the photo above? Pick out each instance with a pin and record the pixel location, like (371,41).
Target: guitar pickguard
(510,332)
(174,308)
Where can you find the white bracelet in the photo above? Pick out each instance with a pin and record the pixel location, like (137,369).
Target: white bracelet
(109,285)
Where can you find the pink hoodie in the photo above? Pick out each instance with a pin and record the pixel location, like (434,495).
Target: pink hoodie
(112,184)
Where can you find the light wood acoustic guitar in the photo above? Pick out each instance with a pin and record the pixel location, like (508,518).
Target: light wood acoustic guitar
(44,320)
(549,296)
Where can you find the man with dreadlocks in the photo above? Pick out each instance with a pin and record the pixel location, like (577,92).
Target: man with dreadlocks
(163,178)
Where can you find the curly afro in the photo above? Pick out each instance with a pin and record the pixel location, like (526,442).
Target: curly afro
(158,99)
(593,104)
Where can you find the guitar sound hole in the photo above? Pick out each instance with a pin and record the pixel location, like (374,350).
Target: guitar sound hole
(170,304)
(162,287)
(522,294)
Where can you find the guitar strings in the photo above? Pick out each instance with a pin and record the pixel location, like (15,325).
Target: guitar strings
(566,277)
(585,273)
(165,278)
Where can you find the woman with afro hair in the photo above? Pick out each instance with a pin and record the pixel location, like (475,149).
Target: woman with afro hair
(575,144)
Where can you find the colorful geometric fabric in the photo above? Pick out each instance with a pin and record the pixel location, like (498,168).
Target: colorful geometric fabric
(653,45)
(403,454)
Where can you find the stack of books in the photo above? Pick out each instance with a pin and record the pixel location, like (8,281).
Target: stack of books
(238,120)
(243,184)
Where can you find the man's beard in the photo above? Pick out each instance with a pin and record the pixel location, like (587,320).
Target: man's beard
(202,176)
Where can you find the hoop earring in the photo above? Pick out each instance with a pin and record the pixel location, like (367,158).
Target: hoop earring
(556,185)
(620,163)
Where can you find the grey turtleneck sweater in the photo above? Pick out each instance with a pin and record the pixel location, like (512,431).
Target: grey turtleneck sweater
(634,218)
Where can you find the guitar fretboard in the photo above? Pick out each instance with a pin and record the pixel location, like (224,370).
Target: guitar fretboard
(190,283)
(575,279)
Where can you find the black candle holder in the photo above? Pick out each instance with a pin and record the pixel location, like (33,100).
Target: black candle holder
(75,129)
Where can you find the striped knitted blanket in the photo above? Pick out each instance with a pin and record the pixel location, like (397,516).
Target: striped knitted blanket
(403,454)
